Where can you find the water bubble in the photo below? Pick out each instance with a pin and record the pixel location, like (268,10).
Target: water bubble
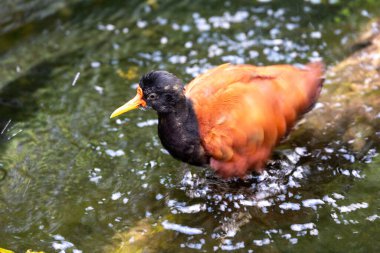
(262,242)
(95,64)
(142,23)
(159,196)
(214,50)
(113,153)
(116,196)
(186,28)
(161,21)
(373,217)
(312,203)
(94,176)
(188,44)
(175,59)
(176,26)
(108,27)
(164,40)
(316,35)
(62,245)
(352,207)
(202,24)
(181,228)
(300,227)
(290,206)
(338,196)
(230,246)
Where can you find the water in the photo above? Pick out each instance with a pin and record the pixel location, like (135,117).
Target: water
(74,181)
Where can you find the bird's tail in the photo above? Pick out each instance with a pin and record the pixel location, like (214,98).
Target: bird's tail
(313,82)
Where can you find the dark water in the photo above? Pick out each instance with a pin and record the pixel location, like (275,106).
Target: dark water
(74,181)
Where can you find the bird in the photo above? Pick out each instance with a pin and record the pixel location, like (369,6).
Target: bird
(231,117)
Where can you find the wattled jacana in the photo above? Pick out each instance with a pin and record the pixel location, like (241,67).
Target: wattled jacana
(230,117)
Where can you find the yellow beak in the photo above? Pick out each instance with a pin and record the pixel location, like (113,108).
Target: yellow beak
(134,103)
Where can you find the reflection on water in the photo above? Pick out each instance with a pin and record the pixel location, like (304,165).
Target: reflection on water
(71,180)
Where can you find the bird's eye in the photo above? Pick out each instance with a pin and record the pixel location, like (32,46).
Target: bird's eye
(152,96)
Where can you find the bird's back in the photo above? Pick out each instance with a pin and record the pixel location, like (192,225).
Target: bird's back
(244,110)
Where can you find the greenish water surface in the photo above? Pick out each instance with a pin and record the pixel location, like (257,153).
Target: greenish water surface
(72,180)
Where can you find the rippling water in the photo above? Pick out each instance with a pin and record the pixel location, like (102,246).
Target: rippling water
(74,181)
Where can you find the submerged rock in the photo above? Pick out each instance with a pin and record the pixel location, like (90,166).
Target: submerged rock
(349,108)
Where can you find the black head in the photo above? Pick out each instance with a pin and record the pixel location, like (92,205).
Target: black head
(162,90)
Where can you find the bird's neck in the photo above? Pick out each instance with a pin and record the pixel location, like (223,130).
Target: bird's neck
(179,133)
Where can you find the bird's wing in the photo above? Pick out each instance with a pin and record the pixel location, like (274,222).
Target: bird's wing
(243,111)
